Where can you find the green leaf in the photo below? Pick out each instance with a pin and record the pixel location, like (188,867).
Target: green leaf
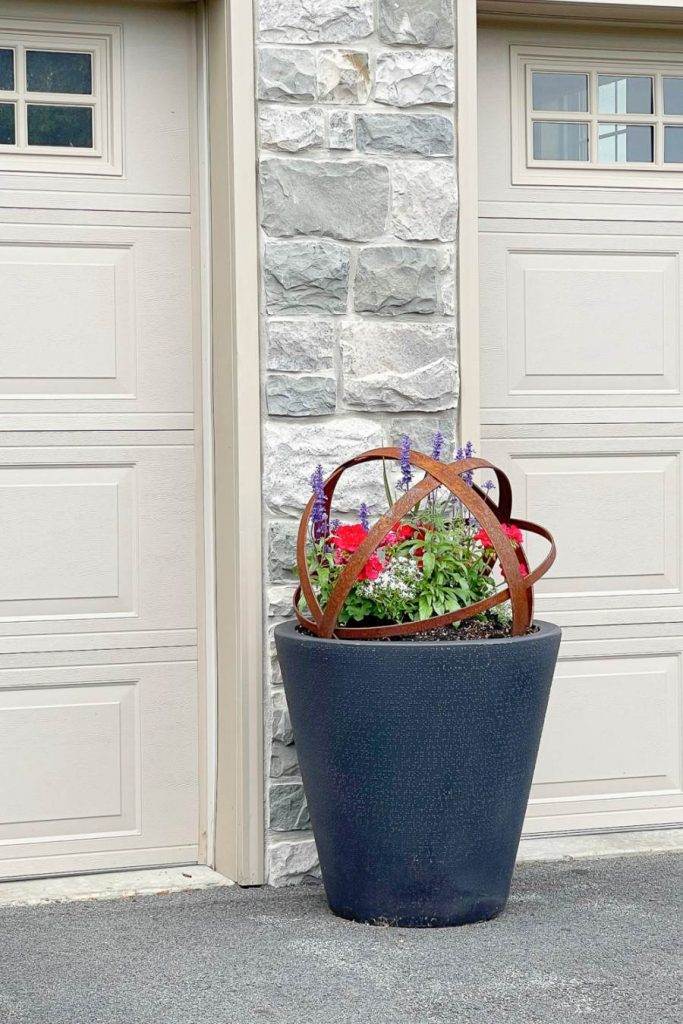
(387,486)
(425,608)
(429,563)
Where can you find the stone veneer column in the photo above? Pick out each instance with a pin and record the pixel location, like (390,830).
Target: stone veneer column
(358,209)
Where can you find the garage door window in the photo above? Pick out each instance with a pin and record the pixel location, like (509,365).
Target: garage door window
(598,115)
(59,101)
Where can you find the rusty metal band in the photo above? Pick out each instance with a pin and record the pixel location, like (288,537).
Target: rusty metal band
(489,514)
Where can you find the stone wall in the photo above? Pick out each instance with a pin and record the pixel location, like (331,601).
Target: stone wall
(358,208)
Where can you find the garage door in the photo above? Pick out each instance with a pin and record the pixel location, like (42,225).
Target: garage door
(581,242)
(98,466)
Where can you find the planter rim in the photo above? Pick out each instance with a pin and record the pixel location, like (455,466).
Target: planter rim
(542,629)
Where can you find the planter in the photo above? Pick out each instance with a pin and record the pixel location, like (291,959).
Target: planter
(417,760)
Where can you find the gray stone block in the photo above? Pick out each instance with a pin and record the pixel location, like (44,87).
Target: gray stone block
(421,430)
(292,860)
(398,279)
(310,21)
(299,346)
(301,277)
(282,725)
(283,761)
(310,395)
(341,130)
(424,200)
(291,129)
(408,78)
(343,76)
(396,367)
(342,199)
(288,809)
(424,134)
(426,22)
(293,449)
(282,548)
(286,74)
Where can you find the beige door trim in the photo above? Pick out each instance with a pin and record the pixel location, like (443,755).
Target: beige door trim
(239,825)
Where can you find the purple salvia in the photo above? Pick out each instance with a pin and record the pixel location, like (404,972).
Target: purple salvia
(437,445)
(334,525)
(364,516)
(319,511)
(406,469)
(468,452)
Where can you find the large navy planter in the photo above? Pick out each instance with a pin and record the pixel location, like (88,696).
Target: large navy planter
(417,760)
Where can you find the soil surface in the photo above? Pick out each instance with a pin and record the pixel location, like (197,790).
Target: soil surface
(470,629)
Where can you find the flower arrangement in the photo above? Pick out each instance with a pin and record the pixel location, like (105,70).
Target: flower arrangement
(434,560)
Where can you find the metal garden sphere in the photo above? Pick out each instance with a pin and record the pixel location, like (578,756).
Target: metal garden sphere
(489,514)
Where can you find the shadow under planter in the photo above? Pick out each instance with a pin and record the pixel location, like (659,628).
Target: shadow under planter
(417,759)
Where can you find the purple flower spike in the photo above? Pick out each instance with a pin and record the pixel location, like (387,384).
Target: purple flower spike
(468,452)
(406,469)
(334,525)
(437,445)
(364,516)
(319,512)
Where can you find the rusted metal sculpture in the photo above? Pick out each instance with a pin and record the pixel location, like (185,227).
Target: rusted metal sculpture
(488,514)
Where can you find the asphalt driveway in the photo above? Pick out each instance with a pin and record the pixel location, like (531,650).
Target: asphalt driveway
(582,941)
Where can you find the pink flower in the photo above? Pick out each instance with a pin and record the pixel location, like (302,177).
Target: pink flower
(513,532)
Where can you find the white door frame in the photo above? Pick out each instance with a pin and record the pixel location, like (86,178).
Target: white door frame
(234,589)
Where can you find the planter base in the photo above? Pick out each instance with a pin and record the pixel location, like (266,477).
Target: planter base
(476,910)
(417,760)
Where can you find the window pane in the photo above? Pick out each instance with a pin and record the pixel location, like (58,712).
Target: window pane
(554,90)
(53,71)
(7,137)
(556,141)
(673,95)
(624,94)
(59,126)
(7,70)
(625,143)
(673,144)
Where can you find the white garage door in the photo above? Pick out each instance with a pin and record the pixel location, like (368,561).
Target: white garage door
(98,467)
(581,241)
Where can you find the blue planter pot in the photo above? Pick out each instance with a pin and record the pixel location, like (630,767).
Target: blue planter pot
(417,760)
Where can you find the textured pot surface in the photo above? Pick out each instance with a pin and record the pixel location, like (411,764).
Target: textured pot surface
(417,760)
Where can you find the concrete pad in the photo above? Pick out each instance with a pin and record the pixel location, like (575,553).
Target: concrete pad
(108,886)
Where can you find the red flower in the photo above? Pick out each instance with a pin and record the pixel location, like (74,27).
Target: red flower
(390,539)
(513,532)
(405,531)
(348,538)
(372,569)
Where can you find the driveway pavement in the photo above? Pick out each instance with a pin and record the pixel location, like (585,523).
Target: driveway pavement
(582,941)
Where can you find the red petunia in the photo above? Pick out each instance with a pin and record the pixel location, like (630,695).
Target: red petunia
(405,531)
(513,532)
(372,568)
(348,537)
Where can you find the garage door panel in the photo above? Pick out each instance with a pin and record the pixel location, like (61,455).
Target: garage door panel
(612,741)
(120,302)
(99,461)
(614,507)
(582,404)
(152,97)
(73,778)
(585,320)
(97,539)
